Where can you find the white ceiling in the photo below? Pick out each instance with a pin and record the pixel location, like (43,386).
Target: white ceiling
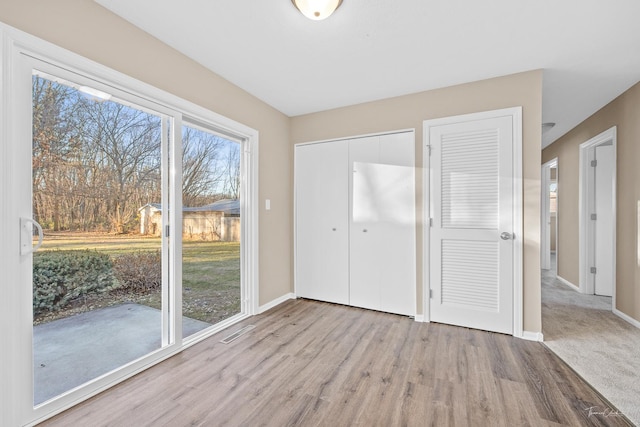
(375,49)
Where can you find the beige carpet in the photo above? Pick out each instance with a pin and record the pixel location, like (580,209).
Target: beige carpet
(598,345)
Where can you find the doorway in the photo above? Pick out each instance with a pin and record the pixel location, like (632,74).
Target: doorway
(597,214)
(549,220)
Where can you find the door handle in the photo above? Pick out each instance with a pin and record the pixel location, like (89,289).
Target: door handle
(26,243)
(505,235)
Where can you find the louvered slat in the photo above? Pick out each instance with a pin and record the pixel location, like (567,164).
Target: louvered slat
(469,179)
(470,274)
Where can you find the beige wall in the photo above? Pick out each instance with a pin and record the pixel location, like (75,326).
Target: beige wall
(84,27)
(622,112)
(524,89)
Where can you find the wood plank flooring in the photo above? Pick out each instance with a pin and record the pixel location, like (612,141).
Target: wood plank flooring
(310,363)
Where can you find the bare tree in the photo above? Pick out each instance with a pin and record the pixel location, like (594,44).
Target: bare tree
(96,162)
(128,147)
(201,174)
(232,172)
(55,145)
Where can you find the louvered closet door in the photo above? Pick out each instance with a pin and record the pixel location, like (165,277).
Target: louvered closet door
(471,259)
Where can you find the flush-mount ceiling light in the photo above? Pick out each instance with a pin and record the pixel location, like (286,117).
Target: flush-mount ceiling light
(317,9)
(96,94)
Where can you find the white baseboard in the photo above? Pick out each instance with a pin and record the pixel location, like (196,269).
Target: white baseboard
(276,302)
(419,318)
(532,336)
(626,317)
(568,283)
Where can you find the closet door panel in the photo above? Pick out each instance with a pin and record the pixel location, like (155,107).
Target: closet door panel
(396,228)
(322,236)
(364,283)
(355,222)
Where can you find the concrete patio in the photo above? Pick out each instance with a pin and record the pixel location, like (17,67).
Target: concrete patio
(71,351)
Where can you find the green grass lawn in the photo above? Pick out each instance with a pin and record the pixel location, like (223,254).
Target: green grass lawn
(210,274)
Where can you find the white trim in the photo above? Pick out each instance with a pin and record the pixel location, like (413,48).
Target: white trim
(518,224)
(586,284)
(276,302)
(568,283)
(14,45)
(251,267)
(626,318)
(366,135)
(420,318)
(532,336)
(518,253)
(9,378)
(427,214)
(545,208)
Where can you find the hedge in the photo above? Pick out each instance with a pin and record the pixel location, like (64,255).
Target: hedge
(60,277)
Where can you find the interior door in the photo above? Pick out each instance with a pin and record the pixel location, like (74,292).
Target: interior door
(603,278)
(322,223)
(471,237)
(545,247)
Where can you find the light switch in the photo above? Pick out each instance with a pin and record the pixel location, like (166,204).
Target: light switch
(267,204)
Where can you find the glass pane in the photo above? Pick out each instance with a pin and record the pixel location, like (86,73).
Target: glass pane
(211,229)
(97,282)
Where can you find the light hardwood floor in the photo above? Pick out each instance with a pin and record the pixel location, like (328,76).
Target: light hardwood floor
(311,363)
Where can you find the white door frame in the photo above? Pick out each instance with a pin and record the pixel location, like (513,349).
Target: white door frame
(545,227)
(516,114)
(586,194)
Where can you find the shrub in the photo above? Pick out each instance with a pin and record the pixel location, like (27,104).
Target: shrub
(60,277)
(138,272)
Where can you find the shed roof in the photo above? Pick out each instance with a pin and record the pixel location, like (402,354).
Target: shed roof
(228,206)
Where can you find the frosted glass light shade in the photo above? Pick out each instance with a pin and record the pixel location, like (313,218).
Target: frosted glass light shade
(317,9)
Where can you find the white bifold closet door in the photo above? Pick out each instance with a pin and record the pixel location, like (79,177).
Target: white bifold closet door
(322,223)
(355,222)
(382,223)
(471,266)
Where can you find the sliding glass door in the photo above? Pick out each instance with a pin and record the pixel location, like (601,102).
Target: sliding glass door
(211,279)
(98,286)
(101,298)
(128,230)
(100,290)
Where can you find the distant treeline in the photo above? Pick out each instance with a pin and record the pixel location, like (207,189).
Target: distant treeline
(96,162)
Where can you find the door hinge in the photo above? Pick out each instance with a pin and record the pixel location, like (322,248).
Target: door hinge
(429,148)
(594,217)
(594,163)
(430,222)
(430,293)
(593,270)
(166,231)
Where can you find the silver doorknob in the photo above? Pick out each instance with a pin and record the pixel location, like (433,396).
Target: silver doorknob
(505,235)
